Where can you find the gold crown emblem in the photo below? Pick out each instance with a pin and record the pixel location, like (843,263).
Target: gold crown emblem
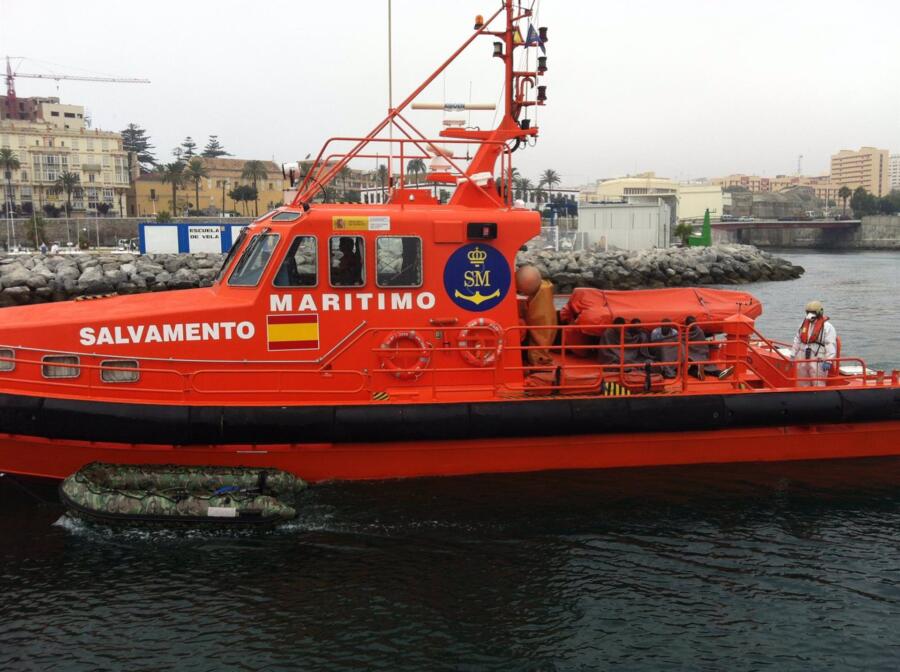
(477,256)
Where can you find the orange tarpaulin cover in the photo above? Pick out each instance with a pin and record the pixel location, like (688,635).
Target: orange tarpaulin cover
(589,307)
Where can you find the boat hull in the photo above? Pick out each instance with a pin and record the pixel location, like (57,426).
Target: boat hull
(54,437)
(57,458)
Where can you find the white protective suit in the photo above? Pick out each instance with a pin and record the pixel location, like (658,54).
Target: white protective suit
(825,349)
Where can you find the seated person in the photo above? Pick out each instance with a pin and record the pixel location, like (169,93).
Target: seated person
(665,347)
(636,336)
(610,351)
(699,352)
(349,269)
(539,312)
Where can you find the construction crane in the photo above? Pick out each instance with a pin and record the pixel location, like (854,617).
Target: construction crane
(11,107)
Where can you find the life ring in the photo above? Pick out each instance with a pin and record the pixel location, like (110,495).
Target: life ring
(390,350)
(481,342)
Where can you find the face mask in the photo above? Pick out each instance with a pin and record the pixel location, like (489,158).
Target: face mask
(811,316)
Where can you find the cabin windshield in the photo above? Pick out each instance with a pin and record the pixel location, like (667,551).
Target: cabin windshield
(253,262)
(235,246)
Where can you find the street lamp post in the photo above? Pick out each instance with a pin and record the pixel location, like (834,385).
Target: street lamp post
(10,226)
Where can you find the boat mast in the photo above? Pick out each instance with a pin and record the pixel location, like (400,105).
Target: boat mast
(492,143)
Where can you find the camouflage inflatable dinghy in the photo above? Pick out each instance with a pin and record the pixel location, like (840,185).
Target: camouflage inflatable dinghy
(167,494)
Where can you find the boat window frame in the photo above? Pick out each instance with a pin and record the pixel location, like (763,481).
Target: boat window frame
(365,280)
(6,366)
(284,258)
(421,262)
(262,217)
(116,366)
(45,363)
(248,250)
(232,253)
(286,216)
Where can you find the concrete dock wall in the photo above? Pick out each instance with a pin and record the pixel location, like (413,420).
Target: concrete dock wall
(880,232)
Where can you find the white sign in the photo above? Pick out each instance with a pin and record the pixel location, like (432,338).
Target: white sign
(205,239)
(161,239)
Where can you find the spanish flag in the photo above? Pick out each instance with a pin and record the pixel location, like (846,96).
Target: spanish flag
(293,332)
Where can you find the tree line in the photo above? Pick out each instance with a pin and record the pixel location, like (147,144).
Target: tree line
(540,190)
(189,167)
(863,203)
(135,140)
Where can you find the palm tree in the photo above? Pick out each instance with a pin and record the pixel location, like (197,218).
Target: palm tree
(382,178)
(844,193)
(66,183)
(550,178)
(415,167)
(173,173)
(194,172)
(684,231)
(253,171)
(540,196)
(522,185)
(344,175)
(9,162)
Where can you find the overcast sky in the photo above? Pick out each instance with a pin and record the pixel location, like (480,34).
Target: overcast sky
(686,88)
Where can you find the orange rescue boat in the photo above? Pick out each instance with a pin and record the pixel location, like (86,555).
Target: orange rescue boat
(372,341)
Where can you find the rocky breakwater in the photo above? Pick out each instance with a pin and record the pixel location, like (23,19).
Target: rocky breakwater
(39,278)
(663,267)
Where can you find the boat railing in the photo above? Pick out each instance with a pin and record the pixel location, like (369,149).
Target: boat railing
(326,167)
(489,363)
(149,379)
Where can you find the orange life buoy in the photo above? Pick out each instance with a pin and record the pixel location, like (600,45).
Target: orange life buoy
(481,342)
(390,350)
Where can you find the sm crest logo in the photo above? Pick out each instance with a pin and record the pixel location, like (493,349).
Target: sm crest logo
(477,277)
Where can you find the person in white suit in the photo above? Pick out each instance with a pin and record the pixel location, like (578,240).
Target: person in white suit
(815,341)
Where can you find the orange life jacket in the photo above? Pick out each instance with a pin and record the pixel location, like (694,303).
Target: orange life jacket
(816,335)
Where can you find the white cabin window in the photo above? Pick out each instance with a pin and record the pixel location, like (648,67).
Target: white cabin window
(348,261)
(253,262)
(398,261)
(300,265)
(60,366)
(119,371)
(7,359)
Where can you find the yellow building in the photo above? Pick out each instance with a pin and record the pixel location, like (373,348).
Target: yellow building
(824,186)
(868,168)
(620,188)
(687,200)
(152,195)
(61,143)
(694,199)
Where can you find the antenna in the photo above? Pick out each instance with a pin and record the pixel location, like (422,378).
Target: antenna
(391,97)
(799,165)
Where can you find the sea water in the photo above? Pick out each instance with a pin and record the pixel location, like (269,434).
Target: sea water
(737,567)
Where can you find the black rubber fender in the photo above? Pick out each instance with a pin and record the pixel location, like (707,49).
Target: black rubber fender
(517,419)
(21,415)
(103,421)
(783,408)
(683,414)
(870,405)
(277,424)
